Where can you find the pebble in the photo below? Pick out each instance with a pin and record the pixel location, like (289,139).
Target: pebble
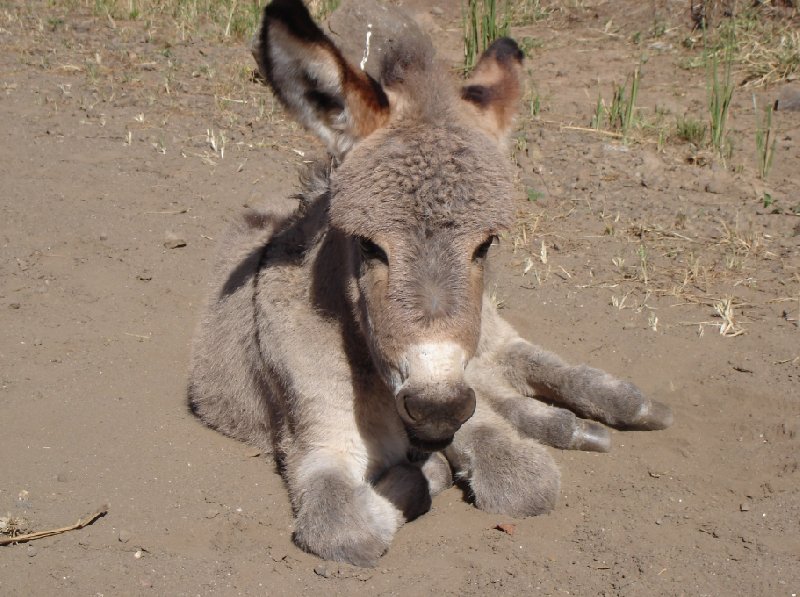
(436,10)
(714,186)
(322,571)
(660,46)
(62,477)
(31,551)
(744,507)
(173,241)
(14,306)
(104,236)
(789,98)
(124,536)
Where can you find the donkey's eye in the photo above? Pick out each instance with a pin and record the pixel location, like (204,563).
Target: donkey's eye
(483,248)
(372,251)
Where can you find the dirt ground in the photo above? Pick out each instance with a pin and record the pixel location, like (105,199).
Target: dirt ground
(124,150)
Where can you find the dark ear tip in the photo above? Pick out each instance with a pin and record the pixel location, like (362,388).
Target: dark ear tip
(505,50)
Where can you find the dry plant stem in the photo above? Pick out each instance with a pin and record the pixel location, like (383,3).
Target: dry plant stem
(82,522)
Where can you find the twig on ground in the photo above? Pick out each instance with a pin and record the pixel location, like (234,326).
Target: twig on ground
(82,522)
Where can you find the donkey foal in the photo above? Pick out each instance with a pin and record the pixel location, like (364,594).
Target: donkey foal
(353,338)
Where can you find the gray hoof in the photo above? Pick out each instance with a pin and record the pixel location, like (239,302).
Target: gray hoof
(591,437)
(652,416)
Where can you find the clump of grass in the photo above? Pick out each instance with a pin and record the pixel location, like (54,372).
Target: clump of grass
(621,114)
(533,101)
(225,19)
(527,12)
(690,130)
(766,140)
(766,48)
(482,25)
(720,93)
(321,9)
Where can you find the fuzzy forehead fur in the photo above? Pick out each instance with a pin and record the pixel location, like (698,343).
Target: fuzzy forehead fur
(429,169)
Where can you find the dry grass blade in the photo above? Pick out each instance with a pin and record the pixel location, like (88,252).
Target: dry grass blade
(82,522)
(729,326)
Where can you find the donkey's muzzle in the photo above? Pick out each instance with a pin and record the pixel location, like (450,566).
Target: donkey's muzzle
(433,414)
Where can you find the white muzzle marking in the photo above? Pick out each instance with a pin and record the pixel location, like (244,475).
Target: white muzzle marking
(433,362)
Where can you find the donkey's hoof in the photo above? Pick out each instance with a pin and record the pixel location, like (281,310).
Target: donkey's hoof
(591,437)
(652,415)
(346,524)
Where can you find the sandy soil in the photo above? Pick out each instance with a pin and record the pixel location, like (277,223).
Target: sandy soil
(120,139)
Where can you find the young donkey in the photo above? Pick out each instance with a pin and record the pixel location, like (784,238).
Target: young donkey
(353,338)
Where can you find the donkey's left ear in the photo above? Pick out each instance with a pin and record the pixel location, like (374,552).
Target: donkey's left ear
(337,102)
(493,90)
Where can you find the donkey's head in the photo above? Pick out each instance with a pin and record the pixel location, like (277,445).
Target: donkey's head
(420,192)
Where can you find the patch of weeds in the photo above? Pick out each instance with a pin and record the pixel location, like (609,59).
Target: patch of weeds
(533,195)
(321,9)
(766,140)
(527,44)
(690,130)
(199,19)
(482,25)
(766,45)
(767,200)
(621,114)
(720,93)
(527,12)
(242,23)
(534,103)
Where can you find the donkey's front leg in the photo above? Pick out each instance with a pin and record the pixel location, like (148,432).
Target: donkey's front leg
(507,473)
(339,515)
(588,392)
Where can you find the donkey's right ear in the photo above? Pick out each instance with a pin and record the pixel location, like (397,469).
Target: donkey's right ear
(337,102)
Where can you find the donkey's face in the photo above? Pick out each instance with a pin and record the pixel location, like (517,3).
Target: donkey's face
(422,204)
(421,193)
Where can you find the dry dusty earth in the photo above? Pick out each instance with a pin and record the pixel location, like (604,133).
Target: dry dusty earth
(119,138)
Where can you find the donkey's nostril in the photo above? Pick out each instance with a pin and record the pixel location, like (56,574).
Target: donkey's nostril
(409,411)
(452,408)
(467,406)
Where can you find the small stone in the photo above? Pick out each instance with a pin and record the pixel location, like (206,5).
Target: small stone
(789,98)
(505,527)
(437,11)
(14,306)
(138,555)
(322,571)
(104,236)
(714,186)
(660,46)
(744,507)
(212,513)
(658,521)
(145,276)
(31,551)
(124,536)
(173,241)
(62,477)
